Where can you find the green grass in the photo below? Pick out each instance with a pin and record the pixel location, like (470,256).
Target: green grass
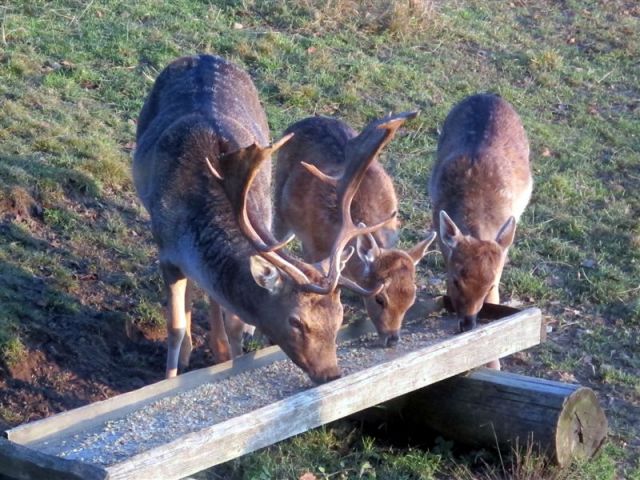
(336,452)
(73,76)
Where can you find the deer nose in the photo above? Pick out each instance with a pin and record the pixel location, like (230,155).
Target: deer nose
(327,376)
(390,339)
(468,323)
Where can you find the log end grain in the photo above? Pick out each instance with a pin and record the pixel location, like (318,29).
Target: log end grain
(582,427)
(489,408)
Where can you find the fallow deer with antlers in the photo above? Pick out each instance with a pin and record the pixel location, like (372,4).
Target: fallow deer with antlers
(202,170)
(310,172)
(480,185)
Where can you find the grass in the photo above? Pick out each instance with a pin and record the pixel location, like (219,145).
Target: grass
(334,453)
(74,239)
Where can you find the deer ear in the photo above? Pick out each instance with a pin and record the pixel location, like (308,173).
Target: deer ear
(449,232)
(265,274)
(367,247)
(506,233)
(420,249)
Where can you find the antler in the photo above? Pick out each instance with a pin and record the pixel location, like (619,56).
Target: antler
(235,173)
(360,152)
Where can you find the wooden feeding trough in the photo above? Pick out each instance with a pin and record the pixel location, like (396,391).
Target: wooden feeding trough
(180,426)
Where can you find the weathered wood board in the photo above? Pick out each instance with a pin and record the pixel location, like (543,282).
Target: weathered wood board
(311,407)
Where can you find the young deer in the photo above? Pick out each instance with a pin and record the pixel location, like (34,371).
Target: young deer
(202,170)
(308,173)
(480,185)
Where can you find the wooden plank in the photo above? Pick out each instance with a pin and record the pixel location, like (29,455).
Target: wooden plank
(322,404)
(23,463)
(83,418)
(120,406)
(492,311)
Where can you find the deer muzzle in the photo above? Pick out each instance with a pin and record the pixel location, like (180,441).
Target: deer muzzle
(389,339)
(467,323)
(326,375)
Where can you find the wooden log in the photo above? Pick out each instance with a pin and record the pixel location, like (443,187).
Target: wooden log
(487,408)
(22,463)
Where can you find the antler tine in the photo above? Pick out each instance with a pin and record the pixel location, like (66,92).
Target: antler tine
(360,152)
(347,232)
(363,149)
(236,172)
(360,290)
(372,240)
(316,172)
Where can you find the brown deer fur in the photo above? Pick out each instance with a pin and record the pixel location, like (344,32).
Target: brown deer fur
(306,206)
(480,185)
(203,112)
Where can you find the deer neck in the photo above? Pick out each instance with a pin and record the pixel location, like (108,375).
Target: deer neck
(226,276)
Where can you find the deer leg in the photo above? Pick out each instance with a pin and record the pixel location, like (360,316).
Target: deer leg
(235,329)
(176,286)
(249,332)
(187,344)
(494,297)
(218,340)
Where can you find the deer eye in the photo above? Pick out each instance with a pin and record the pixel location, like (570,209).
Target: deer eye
(456,283)
(380,300)
(297,324)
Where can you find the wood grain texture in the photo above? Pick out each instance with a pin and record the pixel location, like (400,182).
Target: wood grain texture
(82,418)
(319,405)
(339,398)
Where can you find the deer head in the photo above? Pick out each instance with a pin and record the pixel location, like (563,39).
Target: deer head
(473,266)
(395,269)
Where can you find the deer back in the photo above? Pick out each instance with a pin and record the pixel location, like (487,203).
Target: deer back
(307,206)
(200,106)
(479,187)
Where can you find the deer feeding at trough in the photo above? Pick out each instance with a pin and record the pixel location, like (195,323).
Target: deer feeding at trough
(202,169)
(479,187)
(312,173)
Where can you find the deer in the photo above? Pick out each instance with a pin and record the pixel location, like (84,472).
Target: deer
(202,170)
(479,187)
(309,170)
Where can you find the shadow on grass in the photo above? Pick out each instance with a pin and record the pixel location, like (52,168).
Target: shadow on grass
(36,172)
(70,354)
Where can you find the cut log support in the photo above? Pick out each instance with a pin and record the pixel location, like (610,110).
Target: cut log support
(488,408)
